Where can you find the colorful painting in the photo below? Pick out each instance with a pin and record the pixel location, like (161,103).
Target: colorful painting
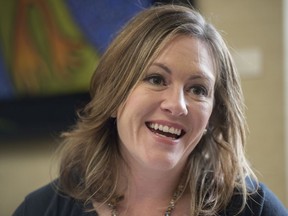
(50,47)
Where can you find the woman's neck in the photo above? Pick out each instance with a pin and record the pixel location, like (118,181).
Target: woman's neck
(146,191)
(147,188)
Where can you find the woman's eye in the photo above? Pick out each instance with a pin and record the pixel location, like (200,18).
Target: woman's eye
(199,91)
(155,80)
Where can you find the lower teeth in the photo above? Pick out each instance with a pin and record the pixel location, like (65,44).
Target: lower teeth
(162,135)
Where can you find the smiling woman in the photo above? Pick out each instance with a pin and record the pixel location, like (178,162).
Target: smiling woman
(164,132)
(174,95)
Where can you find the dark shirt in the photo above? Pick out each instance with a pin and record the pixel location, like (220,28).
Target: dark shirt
(47,201)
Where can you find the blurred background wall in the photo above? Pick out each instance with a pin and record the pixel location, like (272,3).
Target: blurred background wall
(255,33)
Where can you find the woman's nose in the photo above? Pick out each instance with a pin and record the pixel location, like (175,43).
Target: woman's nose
(175,103)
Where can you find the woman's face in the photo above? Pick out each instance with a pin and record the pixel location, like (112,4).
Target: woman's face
(165,116)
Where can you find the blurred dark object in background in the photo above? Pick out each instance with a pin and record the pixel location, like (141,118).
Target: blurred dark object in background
(39,117)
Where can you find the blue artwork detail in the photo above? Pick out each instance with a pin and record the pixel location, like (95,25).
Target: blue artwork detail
(6,89)
(99,21)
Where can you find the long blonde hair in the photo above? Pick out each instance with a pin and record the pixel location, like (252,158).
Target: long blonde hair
(217,167)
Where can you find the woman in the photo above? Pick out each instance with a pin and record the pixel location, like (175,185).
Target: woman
(164,131)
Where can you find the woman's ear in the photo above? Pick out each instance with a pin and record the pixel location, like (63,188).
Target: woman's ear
(205,131)
(114,114)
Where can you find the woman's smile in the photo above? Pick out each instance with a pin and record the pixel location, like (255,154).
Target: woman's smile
(168,130)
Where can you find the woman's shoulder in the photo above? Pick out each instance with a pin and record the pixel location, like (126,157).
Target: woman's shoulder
(270,202)
(48,200)
(261,201)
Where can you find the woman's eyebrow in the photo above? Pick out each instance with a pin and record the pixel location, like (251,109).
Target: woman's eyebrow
(163,66)
(197,75)
(201,75)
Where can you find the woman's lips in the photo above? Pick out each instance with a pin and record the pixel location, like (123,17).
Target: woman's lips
(165,130)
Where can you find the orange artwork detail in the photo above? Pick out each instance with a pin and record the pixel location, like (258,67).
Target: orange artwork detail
(29,66)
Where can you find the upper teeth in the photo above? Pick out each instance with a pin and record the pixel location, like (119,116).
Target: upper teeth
(165,128)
